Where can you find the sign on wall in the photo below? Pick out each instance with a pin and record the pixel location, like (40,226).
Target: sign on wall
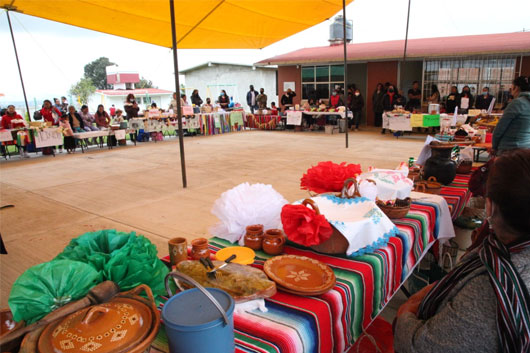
(287,85)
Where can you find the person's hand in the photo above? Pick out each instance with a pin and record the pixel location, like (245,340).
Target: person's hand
(413,303)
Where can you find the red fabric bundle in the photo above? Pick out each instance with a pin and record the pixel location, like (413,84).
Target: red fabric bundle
(328,176)
(304,226)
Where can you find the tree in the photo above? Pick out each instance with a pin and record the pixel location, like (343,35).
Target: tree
(83,89)
(96,72)
(144,83)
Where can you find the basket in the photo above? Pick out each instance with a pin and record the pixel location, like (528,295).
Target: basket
(336,244)
(398,210)
(430,186)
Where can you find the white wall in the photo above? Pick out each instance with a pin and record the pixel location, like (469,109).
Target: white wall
(162,101)
(210,80)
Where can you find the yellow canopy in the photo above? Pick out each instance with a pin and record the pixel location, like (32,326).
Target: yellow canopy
(200,24)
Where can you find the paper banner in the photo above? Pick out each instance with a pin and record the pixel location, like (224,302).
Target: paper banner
(236,117)
(399,123)
(416,120)
(431,120)
(120,134)
(193,122)
(294,118)
(5,136)
(48,137)
(187,110)
(473,112)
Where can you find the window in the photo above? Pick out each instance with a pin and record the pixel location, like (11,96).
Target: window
(319,81)
(495,72)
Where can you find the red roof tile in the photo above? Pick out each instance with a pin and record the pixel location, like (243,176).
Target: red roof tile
(504,43)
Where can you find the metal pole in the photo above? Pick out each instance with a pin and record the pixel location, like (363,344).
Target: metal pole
(177,89)
(345,67)
(18,63)
(406,35)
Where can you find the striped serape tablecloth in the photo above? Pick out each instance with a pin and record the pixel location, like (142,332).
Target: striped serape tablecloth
(457,194)
(333,321)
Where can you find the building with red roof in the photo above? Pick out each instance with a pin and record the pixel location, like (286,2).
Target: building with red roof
(491,60)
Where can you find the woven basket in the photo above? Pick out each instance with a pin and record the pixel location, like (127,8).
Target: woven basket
(398,210)
(430,186)
(336,244)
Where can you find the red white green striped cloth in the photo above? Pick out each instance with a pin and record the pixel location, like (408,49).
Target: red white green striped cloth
(331,322)
(457,194)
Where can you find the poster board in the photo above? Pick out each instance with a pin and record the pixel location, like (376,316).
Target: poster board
(294,117)
(193,122)
(399,123)
(431,120)
(48,137)
(120,134)
(5,135)
(416,120)
(288,85)
(236,118)
(187,110)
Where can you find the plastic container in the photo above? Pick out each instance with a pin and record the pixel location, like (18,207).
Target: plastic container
(342,125)
(489,137)
(199,320)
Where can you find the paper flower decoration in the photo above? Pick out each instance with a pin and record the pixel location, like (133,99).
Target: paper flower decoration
(304,226)
(328,176)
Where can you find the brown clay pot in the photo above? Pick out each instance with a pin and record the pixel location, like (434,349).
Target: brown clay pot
(199,248)
(7,325)
(254,237)
(273,241)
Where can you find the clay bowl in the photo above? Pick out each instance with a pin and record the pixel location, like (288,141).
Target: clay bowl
(8,325)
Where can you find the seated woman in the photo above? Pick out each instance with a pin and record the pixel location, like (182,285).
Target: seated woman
(513,129)
(482,305)
(76,122)
(88,119)
(102,118)
(12,120)
(50,113)
(118,119)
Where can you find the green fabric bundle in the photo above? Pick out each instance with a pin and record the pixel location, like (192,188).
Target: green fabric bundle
(124,258)
(48,286)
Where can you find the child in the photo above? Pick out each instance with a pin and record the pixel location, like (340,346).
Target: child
(274,109)
(118,119)
(69,140)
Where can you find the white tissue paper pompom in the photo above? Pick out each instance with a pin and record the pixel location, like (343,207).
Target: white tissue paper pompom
(245,205)
(368,189)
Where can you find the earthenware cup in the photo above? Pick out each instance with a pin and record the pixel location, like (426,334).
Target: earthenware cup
(199,248)
(273,241)
(178,250)
(254,236)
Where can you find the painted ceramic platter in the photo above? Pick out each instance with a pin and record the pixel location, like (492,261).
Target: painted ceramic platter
(308,294)
(299,274)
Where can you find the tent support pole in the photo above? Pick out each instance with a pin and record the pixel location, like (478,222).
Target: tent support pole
(406,35)
(177,90)
(18,63)
(344,42)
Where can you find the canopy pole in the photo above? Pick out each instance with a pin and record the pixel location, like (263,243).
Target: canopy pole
(177,89)
(406,35)
(345,68)
(18,63)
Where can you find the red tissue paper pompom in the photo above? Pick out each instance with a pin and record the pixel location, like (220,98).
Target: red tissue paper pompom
(328,176)
(304,226)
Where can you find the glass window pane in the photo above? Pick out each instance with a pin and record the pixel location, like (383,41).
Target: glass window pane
(308,91)
(308,74)
(322,74)
(323,91)
(337,73)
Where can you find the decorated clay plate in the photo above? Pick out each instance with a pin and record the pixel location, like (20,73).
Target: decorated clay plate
(300,274)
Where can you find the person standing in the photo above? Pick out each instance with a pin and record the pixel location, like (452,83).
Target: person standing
(357,105)
(452,100)
(414,97)
(466,100)
(287,99)
(64,105)
(483,101)
(131,111)
(435,95)
(252,101)
(223,99)
(57,104)
(389,100)
(195,98)
(513,129)
(112,111)
(377,104)
(262,99)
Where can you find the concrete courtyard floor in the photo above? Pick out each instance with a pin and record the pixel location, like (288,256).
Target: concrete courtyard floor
(139,188)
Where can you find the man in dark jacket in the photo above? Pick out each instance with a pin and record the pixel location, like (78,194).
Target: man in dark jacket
(252,101)
(357,104)
(452,100)
(287,99)
(483,101)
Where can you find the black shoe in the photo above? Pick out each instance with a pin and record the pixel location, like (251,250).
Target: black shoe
(383,131)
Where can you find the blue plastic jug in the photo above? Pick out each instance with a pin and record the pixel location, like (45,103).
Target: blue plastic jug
(198,320)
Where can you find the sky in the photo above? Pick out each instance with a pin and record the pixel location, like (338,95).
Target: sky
(52,55)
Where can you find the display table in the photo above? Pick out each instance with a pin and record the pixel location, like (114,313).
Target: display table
(457,194)
(407,121)
(333,321)
(262,121)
